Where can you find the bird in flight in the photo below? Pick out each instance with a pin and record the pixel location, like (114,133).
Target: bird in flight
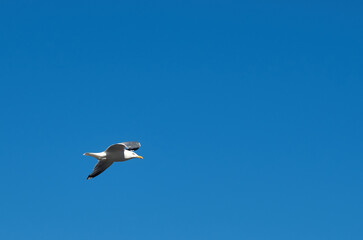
(118,152)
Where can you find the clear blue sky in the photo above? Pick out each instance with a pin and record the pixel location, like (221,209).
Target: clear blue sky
(249,114)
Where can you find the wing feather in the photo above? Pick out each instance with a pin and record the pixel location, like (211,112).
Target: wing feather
(133,146)
(118,147)
(99,168)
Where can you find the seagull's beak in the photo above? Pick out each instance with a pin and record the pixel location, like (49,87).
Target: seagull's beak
(140,157)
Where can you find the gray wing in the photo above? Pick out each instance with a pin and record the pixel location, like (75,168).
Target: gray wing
(118,147)
(99,168)
(133,146)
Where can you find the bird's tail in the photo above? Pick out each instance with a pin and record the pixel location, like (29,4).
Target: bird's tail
(95,155)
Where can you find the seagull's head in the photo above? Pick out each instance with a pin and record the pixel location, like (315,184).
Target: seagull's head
(131,154)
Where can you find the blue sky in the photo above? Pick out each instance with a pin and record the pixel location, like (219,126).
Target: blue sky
(249,114)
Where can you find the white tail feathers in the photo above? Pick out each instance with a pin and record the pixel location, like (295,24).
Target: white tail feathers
(95,155)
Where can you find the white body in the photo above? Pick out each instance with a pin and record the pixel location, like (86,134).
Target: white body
(115,157)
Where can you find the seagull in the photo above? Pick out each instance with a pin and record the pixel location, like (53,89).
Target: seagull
(118,152)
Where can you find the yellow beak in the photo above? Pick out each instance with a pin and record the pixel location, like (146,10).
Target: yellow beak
(140,157)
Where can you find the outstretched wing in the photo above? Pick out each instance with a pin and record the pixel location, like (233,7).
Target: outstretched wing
(133,146)
(99,168)
(118,147)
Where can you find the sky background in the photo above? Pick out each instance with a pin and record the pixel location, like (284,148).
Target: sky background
(249,114)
